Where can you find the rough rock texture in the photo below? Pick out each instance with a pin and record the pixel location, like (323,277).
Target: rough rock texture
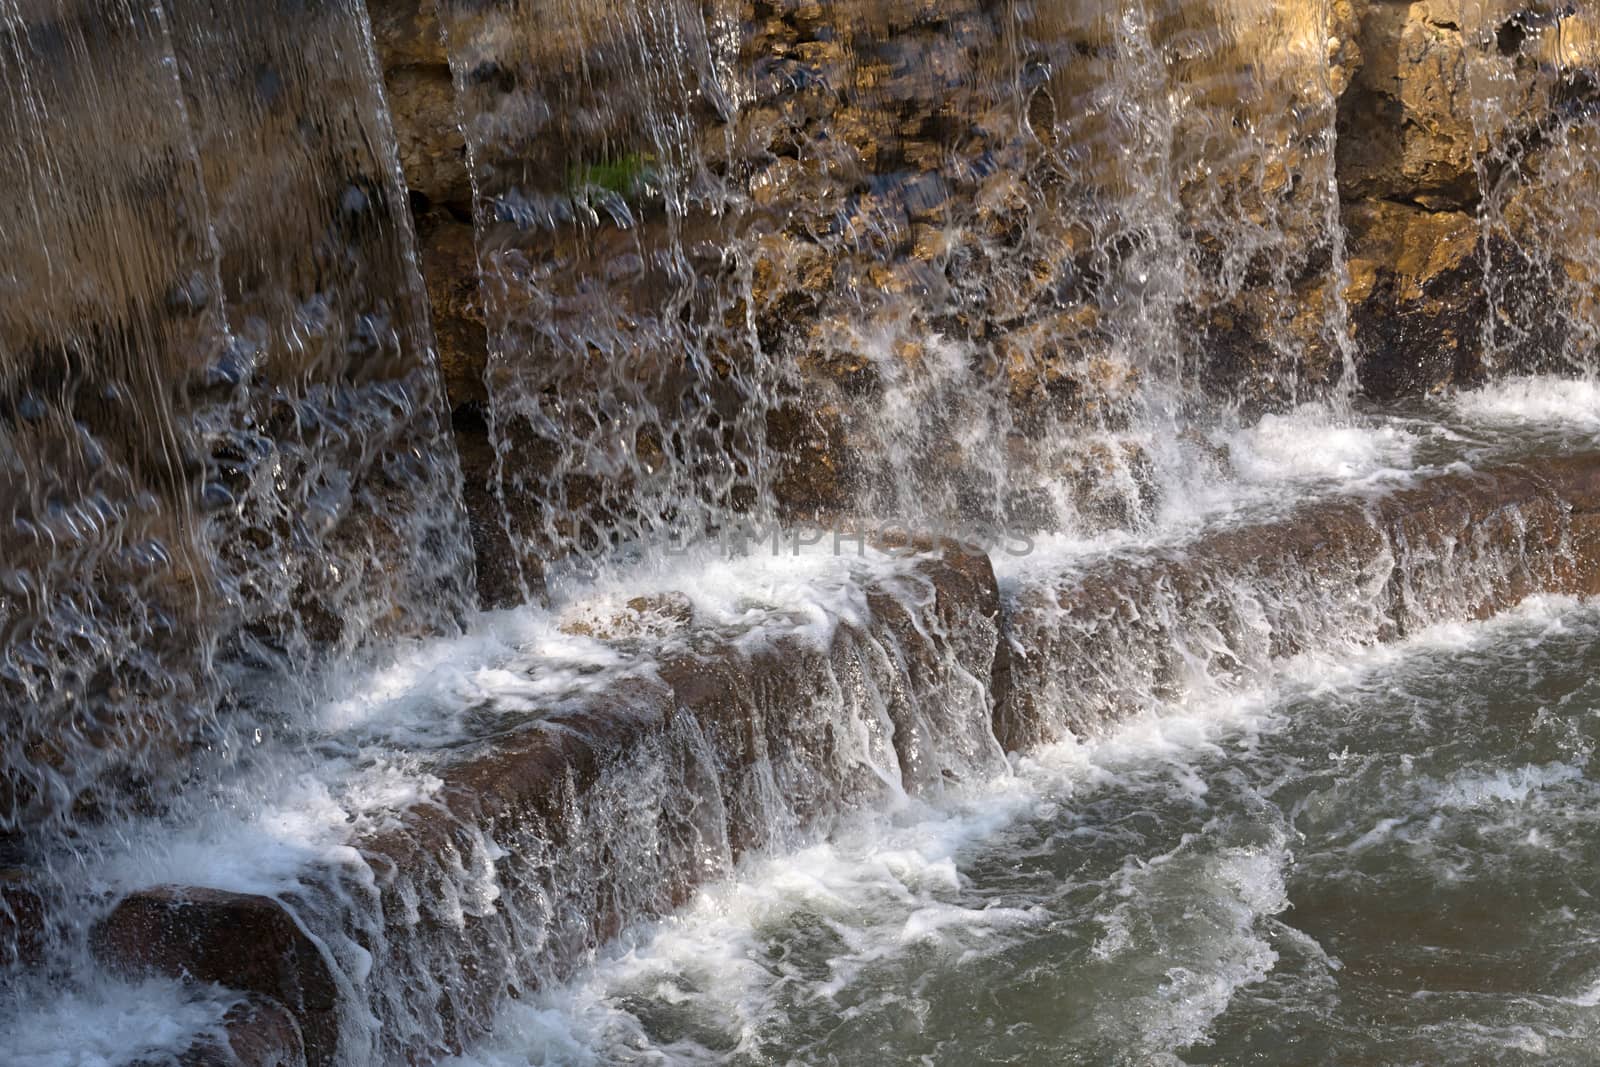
(1481,115)
(1416,295)
(879,177)
(244,942)
(1405,123)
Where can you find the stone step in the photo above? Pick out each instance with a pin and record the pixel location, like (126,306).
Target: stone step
(542,811)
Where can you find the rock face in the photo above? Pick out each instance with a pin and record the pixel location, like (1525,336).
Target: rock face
(1416,295)
(256,1032)
(1479,115)
(883,257)
(1195,179)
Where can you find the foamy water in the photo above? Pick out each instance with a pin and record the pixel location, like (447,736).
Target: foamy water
(863,925)
(109,1023)
(880,892)
(1547,404)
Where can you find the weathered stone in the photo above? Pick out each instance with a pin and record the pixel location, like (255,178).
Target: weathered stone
(1416,297)
(450,268)
(655,615)
(427,129)
(511,803)
(239,941)
(407,33)
(1405,123)
(936,639)
(22,930)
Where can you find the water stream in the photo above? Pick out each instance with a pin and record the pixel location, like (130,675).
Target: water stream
(1379,858)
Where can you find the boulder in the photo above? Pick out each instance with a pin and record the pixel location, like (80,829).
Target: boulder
(256,1032)
(239,941)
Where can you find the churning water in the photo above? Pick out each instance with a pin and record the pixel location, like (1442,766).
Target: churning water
(1379,858)
(1169,886)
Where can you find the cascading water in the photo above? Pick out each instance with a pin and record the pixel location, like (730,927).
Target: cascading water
(224,453)
(626,385)
(110,317)
(1541,158)
(1066,280)
(702,227)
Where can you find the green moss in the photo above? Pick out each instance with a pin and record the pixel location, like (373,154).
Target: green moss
(626,176)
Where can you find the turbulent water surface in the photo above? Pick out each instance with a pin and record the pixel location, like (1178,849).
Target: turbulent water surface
(1381,860)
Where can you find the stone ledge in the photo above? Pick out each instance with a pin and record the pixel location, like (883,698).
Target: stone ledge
(525,810)
(1096,648)
(514,801)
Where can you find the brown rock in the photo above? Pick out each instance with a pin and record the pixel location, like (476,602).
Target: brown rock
(256,1032)
(1103,646)
(427,127)
(450,269)
(1415,297)
(1405,124)
(406,32)
(239,941)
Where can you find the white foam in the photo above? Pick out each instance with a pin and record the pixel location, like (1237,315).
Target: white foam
(113,1023)
(1536,402)
(1312,444)
(1471,791)
(265,832)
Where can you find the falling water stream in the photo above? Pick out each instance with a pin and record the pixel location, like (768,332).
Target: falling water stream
(1067,275)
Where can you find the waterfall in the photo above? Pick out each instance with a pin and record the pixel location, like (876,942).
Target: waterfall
(1068,275)
(111,321)
(225,459)
(696,245)
(627,388)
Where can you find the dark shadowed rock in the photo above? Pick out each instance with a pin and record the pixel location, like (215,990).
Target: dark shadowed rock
(1416,297)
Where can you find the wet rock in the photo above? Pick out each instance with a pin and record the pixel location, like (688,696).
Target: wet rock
(427,126)
(642,616)
(256,1032)
(1095,649)
(22,914)
(814,477)
(239,941)
(1416,297)
(513,831)
(450,269)
(407,33)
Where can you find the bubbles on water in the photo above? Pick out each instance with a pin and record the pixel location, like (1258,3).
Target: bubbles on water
(110,1023)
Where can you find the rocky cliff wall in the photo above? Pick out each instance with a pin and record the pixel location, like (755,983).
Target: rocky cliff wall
(1267,195)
